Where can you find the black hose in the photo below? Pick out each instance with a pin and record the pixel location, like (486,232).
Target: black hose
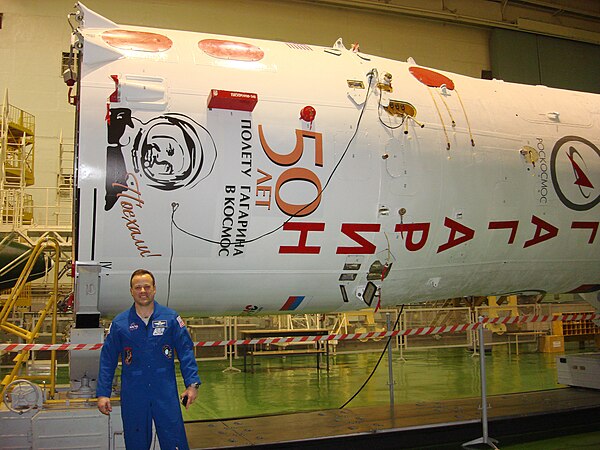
(378,361)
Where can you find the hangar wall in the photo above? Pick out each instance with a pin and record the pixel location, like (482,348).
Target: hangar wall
(532,59)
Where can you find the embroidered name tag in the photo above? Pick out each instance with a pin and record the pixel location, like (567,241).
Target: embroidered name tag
(159,324)
(158,332)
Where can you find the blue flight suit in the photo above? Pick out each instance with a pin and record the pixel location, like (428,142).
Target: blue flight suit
(148,385)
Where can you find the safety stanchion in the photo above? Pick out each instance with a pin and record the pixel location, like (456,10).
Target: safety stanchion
(485,439)
(230,349)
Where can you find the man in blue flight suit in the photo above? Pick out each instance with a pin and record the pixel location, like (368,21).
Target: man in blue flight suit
(147,336)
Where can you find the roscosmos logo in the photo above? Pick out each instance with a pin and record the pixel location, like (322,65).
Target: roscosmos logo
(574,167)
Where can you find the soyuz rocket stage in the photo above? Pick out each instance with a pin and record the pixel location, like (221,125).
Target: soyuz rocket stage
(257,177)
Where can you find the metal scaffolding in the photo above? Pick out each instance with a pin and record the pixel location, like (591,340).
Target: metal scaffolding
(17,151)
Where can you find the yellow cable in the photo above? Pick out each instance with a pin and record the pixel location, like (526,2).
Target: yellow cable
(466,118)
(441,119)
(447,109)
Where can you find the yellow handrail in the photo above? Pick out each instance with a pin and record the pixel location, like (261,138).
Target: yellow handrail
(43,244)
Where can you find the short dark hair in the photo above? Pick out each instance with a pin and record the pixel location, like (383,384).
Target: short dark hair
(141,272)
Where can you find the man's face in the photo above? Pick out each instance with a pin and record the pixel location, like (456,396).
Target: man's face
(143,290)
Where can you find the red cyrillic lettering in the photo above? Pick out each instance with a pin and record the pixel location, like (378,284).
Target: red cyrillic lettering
(541,225)
(453,241)
(351,230)
(303,228)
(585,225)
(502,224)
(411,229)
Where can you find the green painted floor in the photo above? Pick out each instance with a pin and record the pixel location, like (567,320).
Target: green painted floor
(281,386)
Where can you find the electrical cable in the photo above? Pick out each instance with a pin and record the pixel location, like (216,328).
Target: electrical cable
(380,107)
(378,361)
(370,75)
(388,250)
(175,205)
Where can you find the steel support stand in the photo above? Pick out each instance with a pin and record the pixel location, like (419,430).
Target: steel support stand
(485,439)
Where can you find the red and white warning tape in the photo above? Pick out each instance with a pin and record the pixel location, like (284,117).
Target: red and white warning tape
(422,331)
(39,347)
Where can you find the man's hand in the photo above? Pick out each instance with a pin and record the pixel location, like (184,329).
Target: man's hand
(191,393)
(104,405)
